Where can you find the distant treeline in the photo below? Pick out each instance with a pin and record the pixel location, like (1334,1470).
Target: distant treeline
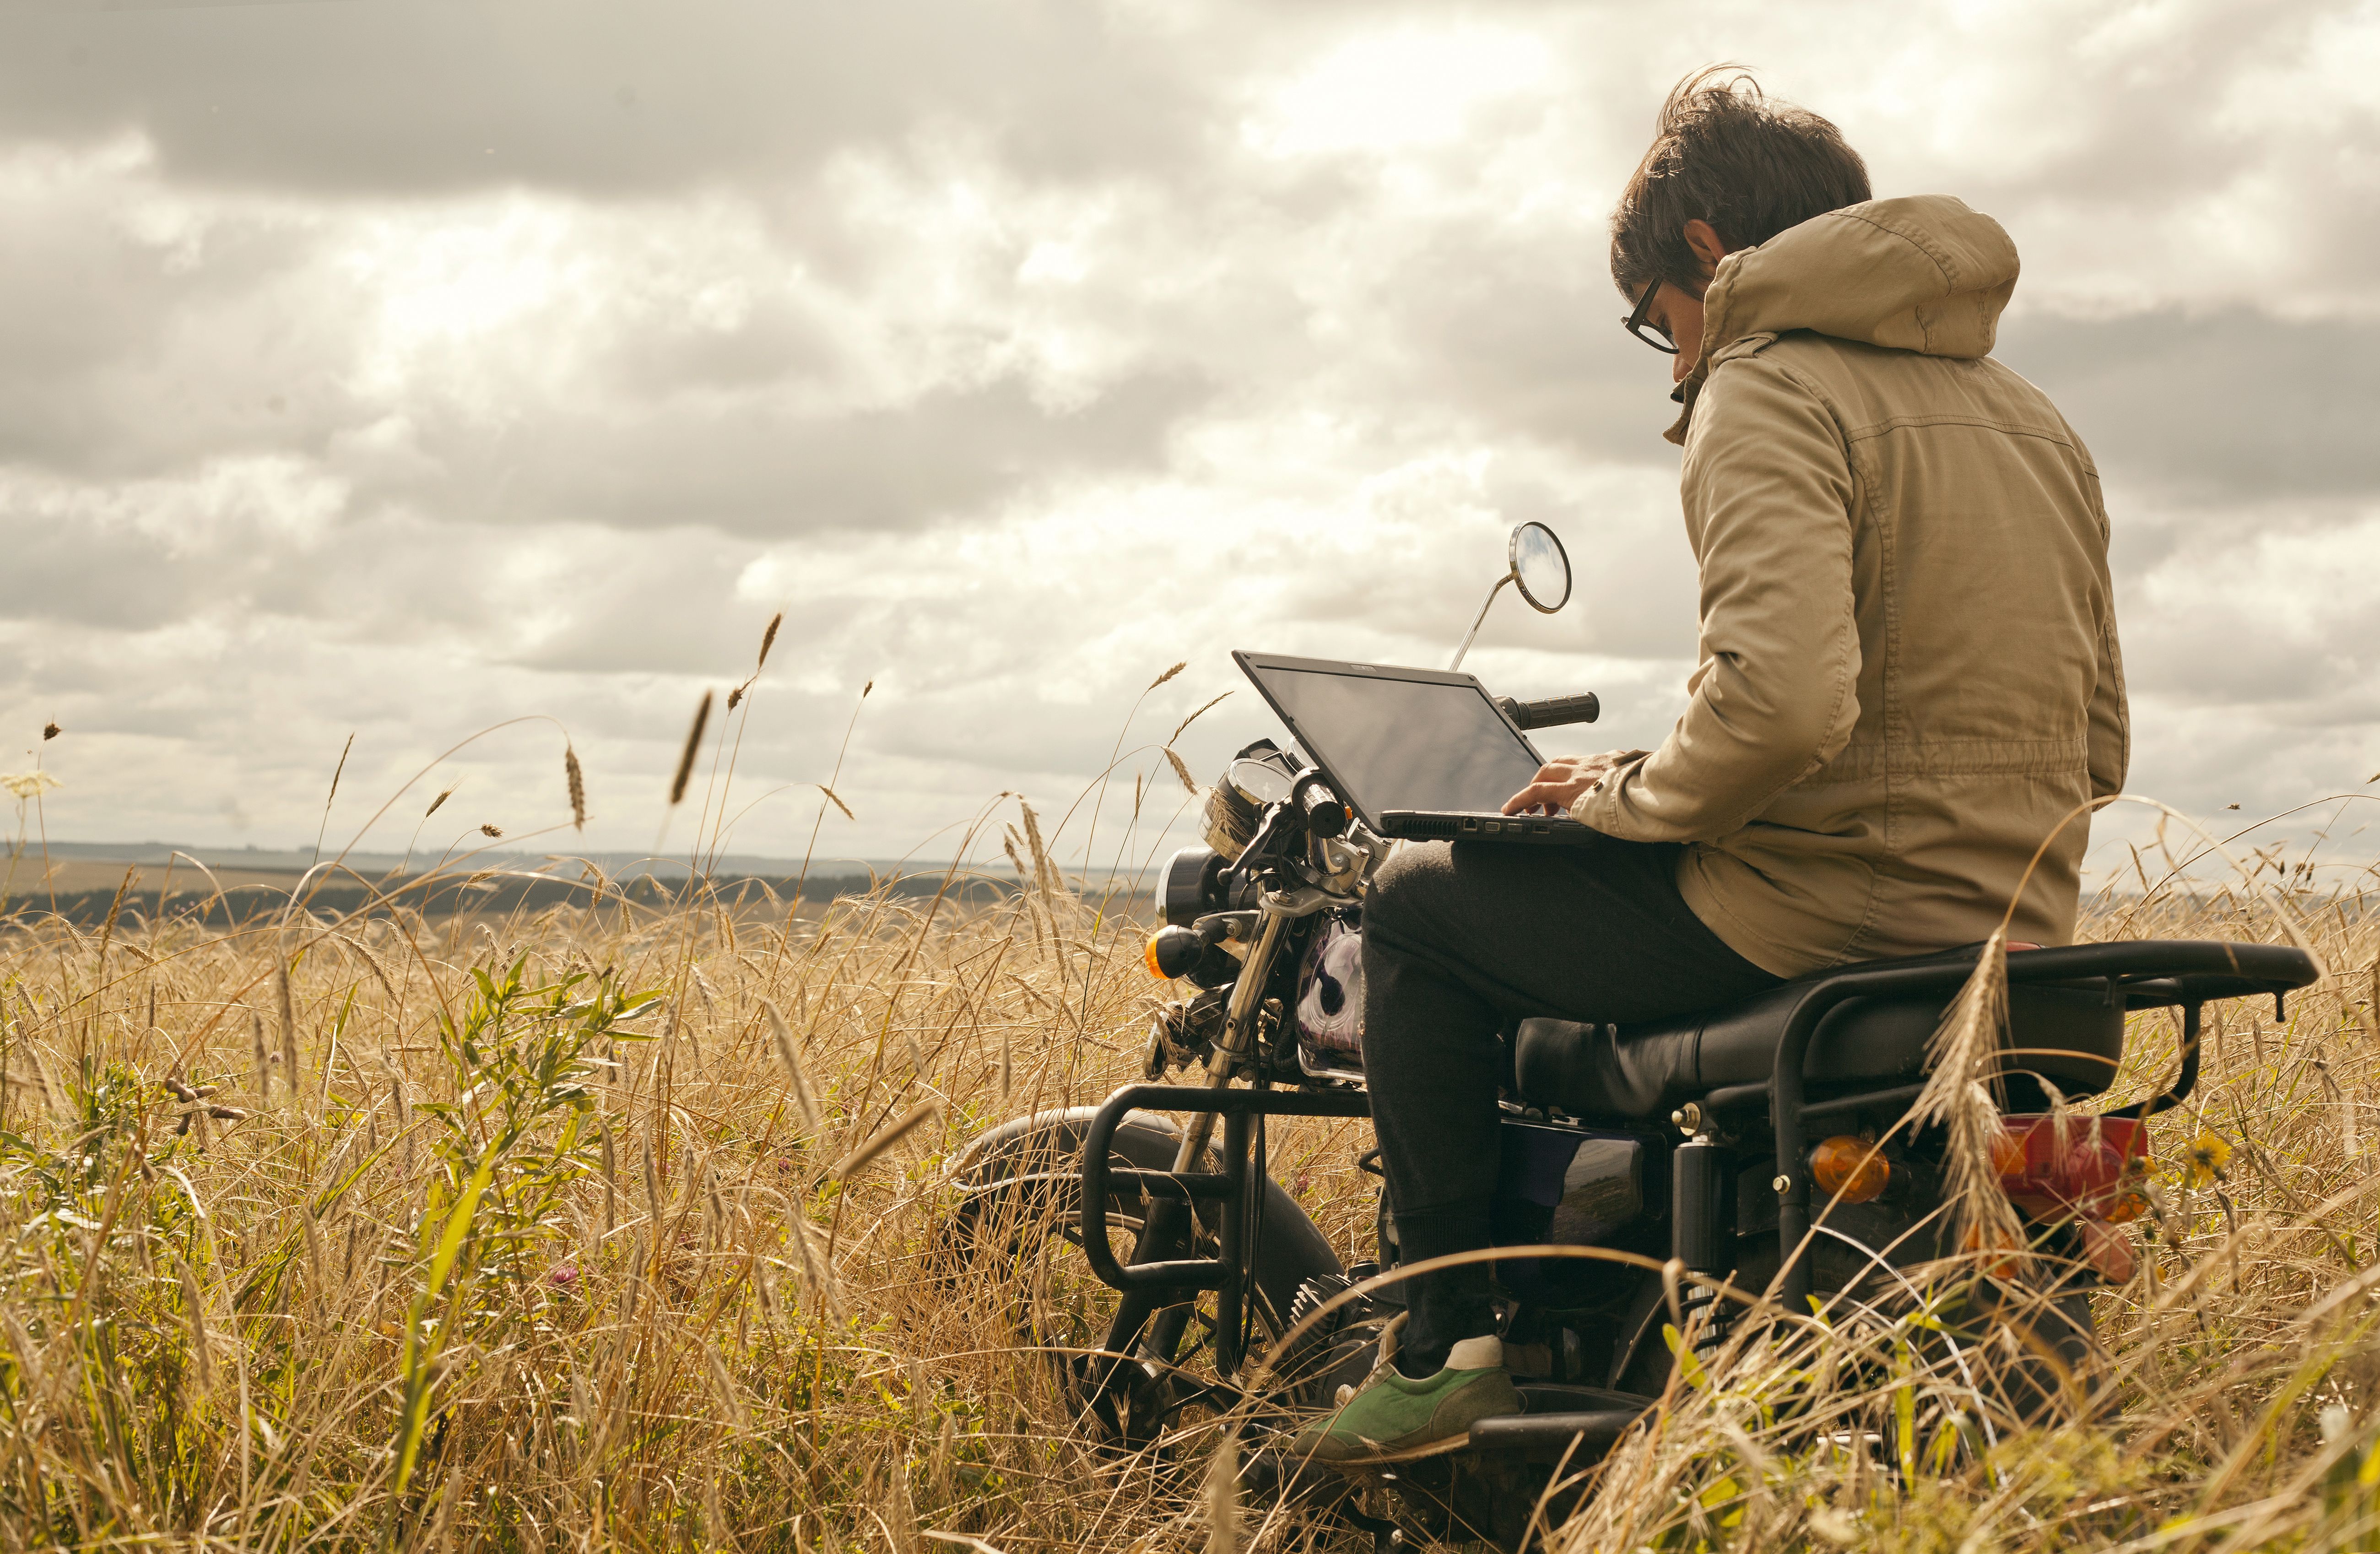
(445,896)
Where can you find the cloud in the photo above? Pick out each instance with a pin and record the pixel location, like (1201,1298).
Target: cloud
(754,468)
(2232,406)
(406,368)
(2248,618)
(519,361)
(609,98)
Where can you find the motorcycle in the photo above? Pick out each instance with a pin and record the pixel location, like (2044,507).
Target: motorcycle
(1758,1146)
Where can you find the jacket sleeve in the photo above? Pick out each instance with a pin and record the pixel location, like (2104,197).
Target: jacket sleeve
(2110,751)
(1767,491)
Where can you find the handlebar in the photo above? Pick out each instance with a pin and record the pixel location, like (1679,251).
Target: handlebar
(1324,813)
(1553,712)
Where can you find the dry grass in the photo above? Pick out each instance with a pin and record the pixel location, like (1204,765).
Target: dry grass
(517,1235)
(233,1165)
(2233,1404)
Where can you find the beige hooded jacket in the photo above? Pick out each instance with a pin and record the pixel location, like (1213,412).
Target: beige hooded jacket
(1909,675)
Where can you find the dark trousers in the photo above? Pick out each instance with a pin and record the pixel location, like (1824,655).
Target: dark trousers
(1460,937)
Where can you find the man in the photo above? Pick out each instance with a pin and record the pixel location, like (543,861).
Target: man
(1908,684)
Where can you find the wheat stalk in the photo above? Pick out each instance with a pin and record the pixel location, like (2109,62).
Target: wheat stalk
(693,748)
(783,1036)
(1964,1058)
(574,781)
(892,1133)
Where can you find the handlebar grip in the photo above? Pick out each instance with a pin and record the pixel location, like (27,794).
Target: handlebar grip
(1553,712)
(1324,813)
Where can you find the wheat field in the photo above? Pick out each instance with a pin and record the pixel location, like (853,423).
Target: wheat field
(624,1225)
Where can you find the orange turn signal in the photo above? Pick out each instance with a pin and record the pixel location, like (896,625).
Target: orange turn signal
(1847,1168)
(1172,951)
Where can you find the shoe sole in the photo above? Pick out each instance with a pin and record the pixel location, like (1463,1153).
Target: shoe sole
(1390,1459)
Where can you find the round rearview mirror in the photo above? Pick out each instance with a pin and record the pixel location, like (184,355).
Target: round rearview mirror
(1541,566)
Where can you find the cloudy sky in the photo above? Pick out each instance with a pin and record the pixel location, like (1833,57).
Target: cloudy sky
(399,369)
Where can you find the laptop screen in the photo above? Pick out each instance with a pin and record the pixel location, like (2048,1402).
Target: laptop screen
(1397,738)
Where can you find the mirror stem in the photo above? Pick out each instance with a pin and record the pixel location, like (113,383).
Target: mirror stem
(1474,632)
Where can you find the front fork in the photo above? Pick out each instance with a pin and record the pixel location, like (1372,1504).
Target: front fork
(1171,1225)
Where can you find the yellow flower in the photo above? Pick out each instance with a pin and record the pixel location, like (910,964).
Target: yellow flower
(26,785)
(2208,1155)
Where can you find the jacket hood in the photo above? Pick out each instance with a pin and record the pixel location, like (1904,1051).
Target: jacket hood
(1923,273)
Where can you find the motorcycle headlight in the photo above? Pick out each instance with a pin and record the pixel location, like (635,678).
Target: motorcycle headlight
(1193,887)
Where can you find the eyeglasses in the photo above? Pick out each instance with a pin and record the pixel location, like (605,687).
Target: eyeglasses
(1645,329)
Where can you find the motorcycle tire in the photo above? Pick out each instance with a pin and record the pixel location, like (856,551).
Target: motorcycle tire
(1020,1187)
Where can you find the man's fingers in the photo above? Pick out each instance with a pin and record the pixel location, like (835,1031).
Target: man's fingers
(1560,782)
(1559,787)
(1553,795)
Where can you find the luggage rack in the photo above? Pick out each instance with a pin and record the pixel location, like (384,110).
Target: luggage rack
(2144,974)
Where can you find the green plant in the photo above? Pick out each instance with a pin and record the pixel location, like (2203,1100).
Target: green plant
(518,1136)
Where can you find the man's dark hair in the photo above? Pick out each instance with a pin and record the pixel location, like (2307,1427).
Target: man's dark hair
(1748,163)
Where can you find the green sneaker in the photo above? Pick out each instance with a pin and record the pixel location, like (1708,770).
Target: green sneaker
(1392,1419)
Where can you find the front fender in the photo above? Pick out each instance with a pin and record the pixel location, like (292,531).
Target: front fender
(1052,1140)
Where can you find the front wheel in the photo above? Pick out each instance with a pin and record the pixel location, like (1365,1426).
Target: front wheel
(1129,1371)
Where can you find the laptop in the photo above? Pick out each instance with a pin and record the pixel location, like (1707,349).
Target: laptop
(1416,753)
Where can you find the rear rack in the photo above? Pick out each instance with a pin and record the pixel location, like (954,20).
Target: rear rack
(2144,974)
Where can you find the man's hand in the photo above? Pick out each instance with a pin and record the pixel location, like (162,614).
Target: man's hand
(1560,781)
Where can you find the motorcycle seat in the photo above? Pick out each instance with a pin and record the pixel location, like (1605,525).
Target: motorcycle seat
(2071,1037)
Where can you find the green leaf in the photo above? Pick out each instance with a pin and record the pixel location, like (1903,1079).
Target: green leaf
(418,1357)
